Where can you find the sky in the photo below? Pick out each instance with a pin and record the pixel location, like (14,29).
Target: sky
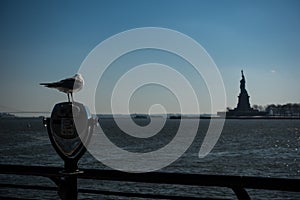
(45,41)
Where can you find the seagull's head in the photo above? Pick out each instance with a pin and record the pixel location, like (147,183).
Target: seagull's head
(78,76)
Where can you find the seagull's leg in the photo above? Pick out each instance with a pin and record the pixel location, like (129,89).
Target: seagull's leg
(72,96)
(68,97)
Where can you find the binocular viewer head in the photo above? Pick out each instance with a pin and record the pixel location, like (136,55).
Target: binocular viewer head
(70,128)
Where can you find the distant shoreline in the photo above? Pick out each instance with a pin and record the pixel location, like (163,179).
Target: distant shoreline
(179,117)
(262,117)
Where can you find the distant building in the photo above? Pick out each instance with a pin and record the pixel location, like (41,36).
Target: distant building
(288,110)
(243,107)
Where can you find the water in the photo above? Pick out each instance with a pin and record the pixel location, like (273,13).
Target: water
(267,148)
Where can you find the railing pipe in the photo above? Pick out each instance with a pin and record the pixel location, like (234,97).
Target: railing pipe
(236,183)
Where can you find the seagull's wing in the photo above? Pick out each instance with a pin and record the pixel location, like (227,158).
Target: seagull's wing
(66,83)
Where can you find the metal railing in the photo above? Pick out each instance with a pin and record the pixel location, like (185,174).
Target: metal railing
(237,183)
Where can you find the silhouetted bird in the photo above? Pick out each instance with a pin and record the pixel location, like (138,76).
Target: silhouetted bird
(69,85)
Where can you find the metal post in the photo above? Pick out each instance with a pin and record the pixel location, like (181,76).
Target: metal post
(63,133)
(68,188)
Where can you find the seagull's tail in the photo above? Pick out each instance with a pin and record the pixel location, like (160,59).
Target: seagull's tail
(49,85)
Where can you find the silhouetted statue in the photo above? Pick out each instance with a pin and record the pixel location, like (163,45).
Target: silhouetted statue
(243,107)
(242,85)
(243,104)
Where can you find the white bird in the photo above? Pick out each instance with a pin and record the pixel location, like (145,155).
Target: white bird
(69,85)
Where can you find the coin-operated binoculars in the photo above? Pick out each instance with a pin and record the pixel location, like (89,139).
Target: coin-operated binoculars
(70,128)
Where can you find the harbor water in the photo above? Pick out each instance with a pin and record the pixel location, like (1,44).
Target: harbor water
(263,148)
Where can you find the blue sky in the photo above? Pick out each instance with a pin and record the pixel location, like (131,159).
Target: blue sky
(48,40)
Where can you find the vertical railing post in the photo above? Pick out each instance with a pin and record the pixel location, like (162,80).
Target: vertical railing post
(241,193)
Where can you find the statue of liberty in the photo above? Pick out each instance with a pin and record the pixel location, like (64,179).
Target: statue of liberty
(243,81)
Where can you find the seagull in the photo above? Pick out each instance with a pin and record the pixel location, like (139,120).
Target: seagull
(68,85)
